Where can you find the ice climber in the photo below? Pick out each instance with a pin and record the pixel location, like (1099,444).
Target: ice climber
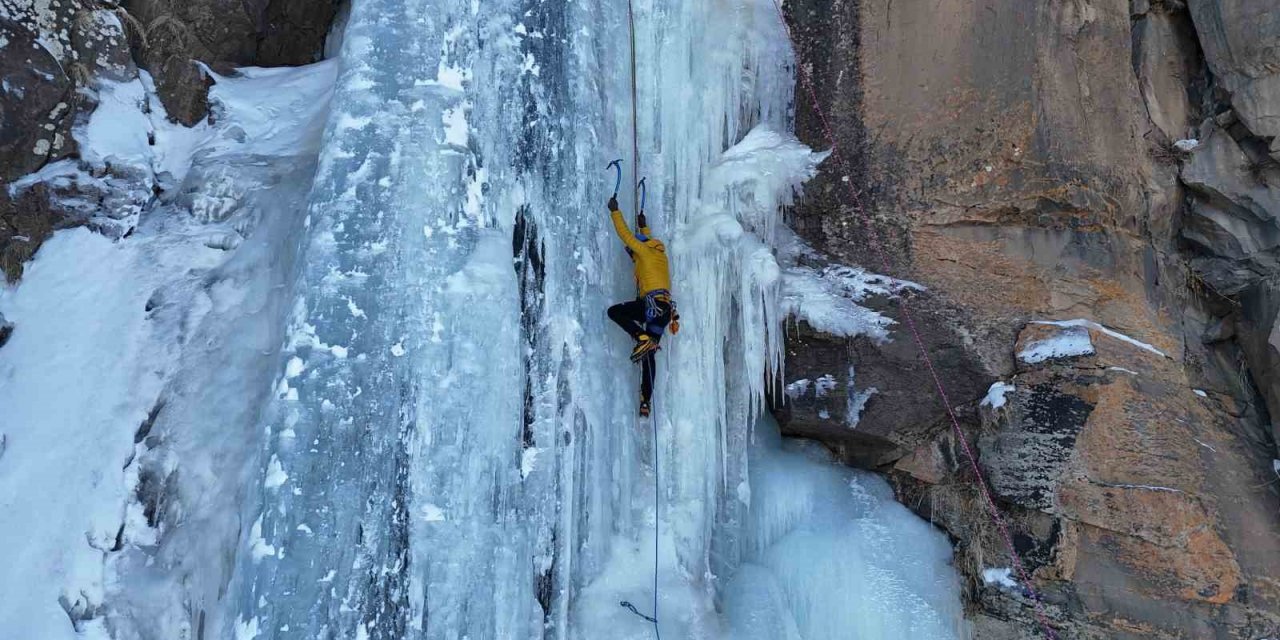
(646,318)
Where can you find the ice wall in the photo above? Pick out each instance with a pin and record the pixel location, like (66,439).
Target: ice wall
(452,450)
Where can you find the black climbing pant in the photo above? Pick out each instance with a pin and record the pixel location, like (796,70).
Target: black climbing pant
(643,317)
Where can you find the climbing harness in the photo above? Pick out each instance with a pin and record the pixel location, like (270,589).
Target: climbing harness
(907,315)
(653,302)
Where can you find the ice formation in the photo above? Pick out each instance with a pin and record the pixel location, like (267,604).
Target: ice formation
(398,409)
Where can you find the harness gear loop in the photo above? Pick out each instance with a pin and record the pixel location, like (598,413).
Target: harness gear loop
(653,303)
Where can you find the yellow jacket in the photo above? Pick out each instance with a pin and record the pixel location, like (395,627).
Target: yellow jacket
(650,256)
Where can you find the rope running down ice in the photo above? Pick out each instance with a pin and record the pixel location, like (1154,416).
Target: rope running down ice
(635,192)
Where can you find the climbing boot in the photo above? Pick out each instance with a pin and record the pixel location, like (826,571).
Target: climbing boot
(644,408)
(644,346)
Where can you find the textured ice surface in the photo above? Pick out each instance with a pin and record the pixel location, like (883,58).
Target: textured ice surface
(829,554)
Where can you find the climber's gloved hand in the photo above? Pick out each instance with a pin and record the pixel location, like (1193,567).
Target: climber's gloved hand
(613,203)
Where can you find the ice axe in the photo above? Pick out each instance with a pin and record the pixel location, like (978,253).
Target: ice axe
(616,165)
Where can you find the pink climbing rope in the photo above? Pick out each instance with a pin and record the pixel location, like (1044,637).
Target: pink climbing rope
(878,247)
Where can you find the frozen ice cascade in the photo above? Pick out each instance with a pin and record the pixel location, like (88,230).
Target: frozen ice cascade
(411,417)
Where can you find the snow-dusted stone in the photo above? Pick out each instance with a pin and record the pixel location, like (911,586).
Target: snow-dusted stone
(1039,343)
(36,103)
(878,402)
(102,45)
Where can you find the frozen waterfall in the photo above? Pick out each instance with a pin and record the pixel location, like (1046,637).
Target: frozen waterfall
(449,449)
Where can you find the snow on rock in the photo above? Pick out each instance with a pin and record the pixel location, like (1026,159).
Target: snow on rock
(856,400)
(995,397)
(265,112)
(118,341)
(827,297)
(1001,577)
(798,388)
(1188,145)
(1089,324)
(1068,342)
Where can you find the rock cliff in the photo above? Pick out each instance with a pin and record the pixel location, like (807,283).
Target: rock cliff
(1107,165)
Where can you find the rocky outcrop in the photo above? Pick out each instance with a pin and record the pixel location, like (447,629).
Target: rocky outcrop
(874,403)
(1140,501)
(181,34)
(1107,161)
(37,106)
(26,221)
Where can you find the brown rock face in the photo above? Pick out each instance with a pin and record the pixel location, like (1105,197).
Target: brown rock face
(1018,159)
(223,34)
(37,105)
(889,389)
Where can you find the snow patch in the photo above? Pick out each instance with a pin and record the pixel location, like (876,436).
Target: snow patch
(827,298)
(856,401)
(1001,577)
(996,395)
(1080,322)
(1071,342)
